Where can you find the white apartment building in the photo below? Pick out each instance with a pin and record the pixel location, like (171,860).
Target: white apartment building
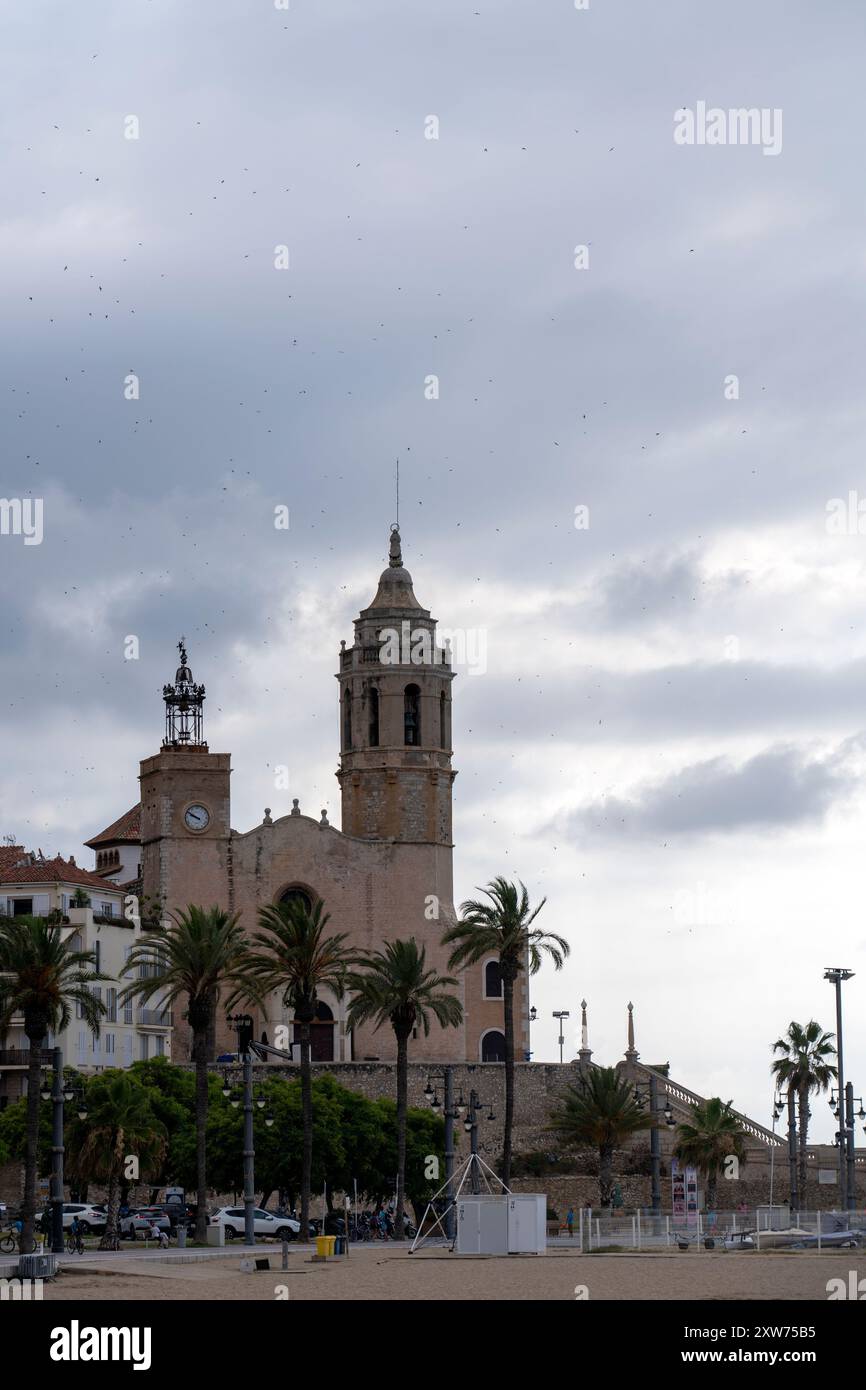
(129,1032)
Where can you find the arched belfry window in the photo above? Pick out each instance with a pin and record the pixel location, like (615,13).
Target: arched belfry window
(347,718)
(374,717)
(412,716)
(443,721)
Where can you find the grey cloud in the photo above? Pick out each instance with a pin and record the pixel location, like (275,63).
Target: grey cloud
(781,787)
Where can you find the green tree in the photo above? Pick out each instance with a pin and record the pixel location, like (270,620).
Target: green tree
(713,1135)
(171,1093)
(804,1066)
(503,927)
(200,956)
(292,953)
(600,1112)
(41,977)
(120,1124)
(394,986)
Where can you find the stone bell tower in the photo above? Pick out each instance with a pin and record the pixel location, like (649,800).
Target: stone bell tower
(395,718)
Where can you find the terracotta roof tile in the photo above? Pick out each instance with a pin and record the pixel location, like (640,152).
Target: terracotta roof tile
(56,870)
(126,830)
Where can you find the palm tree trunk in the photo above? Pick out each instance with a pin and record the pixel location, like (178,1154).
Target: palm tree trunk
(605,1174)
(710,1195)
(199,1047)
(113,1207)
(31,1155)
(402,1106)
(508,1012)
(803,1104)
(307,1119)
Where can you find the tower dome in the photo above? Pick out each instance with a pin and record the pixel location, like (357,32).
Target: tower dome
(395,583)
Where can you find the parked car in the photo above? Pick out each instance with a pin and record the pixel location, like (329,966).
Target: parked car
(139,1222)
(266,1224)
(90,1219)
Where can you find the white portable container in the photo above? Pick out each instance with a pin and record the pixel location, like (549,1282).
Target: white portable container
(482,1226)
(527,1223)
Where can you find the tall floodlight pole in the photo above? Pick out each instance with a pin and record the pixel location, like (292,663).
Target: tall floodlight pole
(837,975)
(562,1015)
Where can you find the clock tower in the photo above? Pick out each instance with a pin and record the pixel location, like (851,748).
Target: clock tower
(185,811)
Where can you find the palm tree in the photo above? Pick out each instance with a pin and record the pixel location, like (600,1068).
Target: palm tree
(291,953)
(120,1121)
(199,956)
(394,986)
(803,1067)
(41,977)
(504,926)
(601,1112)
(713,1135)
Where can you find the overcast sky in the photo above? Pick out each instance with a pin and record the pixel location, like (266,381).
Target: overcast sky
(668,734)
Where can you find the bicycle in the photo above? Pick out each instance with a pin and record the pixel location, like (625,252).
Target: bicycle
(74,1244)
(110,1243)
(8,1242)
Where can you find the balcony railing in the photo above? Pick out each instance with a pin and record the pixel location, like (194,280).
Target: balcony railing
(155,1018)
(20,1056)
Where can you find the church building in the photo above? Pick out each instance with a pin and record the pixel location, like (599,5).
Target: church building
(386,874)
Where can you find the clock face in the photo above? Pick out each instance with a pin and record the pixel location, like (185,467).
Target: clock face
(196,817)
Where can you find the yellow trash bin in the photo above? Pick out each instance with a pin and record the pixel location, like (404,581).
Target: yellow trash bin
(322,1245)
(332,1243)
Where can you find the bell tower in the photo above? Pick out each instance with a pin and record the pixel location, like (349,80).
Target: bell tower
(395,718)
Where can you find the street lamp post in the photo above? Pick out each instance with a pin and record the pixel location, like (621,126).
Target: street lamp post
(561,1014)
(470,1124)
(837,976)
(845,1116)
(789,1097)
(243,1026)
(57,1152)
(449,1115)
(650,1091)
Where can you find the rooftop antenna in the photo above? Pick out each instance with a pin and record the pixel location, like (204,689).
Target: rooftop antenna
(397,518)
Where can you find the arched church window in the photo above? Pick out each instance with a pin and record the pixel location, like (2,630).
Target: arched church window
(443,721)
(493,1046)
(374,717)
(347,718)
(492,980)
(297,895)
(412,716)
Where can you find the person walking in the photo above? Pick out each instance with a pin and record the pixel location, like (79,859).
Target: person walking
(569,1222)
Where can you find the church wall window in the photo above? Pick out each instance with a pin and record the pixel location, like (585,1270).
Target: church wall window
(492,980)
(412,716)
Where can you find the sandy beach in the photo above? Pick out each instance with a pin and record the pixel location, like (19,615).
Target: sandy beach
(392,1275)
